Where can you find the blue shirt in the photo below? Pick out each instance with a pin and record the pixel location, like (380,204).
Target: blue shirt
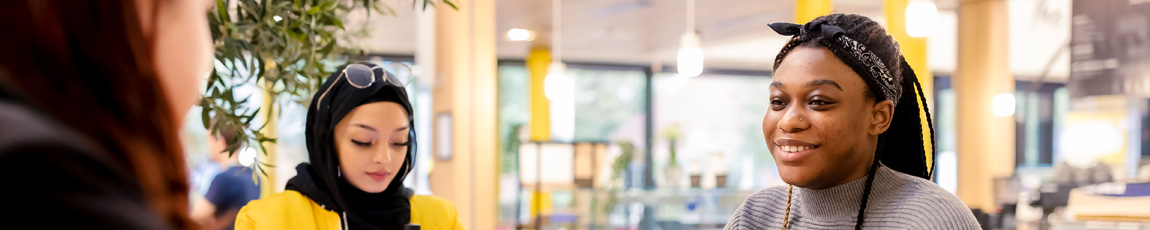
(232,189)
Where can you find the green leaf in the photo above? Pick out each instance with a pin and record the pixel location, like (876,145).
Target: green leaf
(263,149)
(255,179)
(327,49)
(313,10)
(222,11)
(451,4)
(337,22)
(391,11)
(327,5)
(205,112)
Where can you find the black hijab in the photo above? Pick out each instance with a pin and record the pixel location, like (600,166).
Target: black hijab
(320,179)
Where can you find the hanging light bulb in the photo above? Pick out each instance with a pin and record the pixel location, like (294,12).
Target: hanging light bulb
(557,86)
(690,57)
(921,18)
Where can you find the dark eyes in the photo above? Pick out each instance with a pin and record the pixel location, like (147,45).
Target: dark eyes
(816,103)
(361,143)
(778,104)
(368,143)
(819,102)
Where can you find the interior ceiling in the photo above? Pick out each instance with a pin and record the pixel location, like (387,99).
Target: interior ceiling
(734,32)
(644,32)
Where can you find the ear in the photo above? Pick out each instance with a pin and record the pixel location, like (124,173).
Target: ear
(881,116)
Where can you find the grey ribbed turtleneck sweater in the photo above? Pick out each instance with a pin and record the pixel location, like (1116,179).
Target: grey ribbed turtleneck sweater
(897,201)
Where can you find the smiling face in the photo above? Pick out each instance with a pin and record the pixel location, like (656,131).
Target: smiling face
(822,126)
(372,142)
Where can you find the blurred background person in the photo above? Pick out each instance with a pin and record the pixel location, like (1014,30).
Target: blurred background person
(231,189)
(91,95)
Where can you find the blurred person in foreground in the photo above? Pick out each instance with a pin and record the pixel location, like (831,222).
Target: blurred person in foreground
(843,127)
(231,189)
(91,96)
(361,144)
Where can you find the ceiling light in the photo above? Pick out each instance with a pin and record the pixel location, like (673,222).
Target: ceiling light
(690,56)
(557,86)
(1003,104)
(519,35)
(921,18)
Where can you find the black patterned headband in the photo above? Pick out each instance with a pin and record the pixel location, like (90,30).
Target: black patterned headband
(853,53)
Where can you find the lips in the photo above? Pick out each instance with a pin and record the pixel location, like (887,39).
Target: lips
(792,151)
(378,176)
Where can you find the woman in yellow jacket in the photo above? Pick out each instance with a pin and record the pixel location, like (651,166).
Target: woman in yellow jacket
(360,140)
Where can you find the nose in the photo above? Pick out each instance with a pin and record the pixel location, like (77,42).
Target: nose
(793,120)
(382,156)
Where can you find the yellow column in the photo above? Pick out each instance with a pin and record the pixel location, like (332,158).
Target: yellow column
(985,142)
(807,10)
(466,88)
(270,112)
(537,62)
(914,50)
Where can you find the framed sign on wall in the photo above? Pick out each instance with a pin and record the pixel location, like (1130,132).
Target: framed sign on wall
(443,134)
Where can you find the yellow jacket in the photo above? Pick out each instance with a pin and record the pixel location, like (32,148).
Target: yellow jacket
(292,210)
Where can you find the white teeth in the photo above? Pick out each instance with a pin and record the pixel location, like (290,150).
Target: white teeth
(795,148)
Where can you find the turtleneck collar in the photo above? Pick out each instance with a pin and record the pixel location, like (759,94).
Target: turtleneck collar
(842,201)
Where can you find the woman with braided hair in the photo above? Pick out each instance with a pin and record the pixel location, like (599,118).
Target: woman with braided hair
(843,127)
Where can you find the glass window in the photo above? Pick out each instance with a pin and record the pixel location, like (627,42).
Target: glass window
(715,122)
(609,103)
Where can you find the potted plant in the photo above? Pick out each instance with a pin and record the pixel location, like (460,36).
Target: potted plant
(673,172)
(285,47)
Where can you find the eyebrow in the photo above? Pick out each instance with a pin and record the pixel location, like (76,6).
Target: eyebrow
(777,84)
(814,83)
(825,82)
(369,128)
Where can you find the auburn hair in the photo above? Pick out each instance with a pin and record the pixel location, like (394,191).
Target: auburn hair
(88,65)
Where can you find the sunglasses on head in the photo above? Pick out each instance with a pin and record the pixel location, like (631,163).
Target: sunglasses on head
(361,76)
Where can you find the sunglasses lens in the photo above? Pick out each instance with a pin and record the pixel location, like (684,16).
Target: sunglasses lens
(400,74)
(360,75)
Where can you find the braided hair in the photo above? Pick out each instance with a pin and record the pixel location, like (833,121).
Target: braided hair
(857,40)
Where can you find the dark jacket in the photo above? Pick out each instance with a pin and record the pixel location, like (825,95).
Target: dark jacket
(55,178)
